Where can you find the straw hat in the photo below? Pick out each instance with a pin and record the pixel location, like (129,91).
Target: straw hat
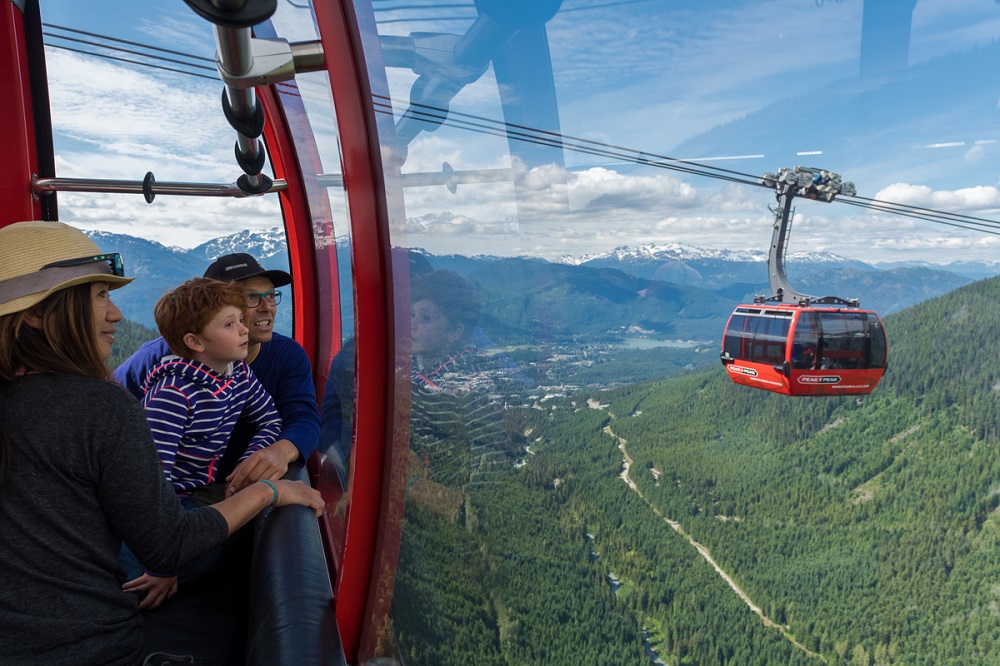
(27,247)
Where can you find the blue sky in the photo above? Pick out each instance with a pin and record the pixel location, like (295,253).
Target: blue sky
(747,86)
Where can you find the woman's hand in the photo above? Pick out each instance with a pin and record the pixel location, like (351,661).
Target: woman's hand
(157,588)
(240,508)
(297,492)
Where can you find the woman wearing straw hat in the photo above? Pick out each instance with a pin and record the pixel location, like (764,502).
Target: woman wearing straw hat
(78,470)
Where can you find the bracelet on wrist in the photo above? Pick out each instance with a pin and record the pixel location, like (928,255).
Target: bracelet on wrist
(274,489)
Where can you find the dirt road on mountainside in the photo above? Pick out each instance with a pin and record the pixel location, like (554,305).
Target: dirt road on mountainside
(626,466)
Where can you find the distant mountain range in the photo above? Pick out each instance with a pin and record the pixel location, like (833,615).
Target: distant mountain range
(976,270)
(684,252)
(683,291)
(158,268)
(677,291)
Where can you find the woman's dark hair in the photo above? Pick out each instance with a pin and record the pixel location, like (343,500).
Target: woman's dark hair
(66,342)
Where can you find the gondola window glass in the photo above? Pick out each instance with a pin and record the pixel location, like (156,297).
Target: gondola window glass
(739,336)
(844,342)
(878,343)
(758,337)
(806,341)
(117,114)
(770,339)
(532,153)
(310,111)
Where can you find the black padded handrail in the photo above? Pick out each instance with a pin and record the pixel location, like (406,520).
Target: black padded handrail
(291,615)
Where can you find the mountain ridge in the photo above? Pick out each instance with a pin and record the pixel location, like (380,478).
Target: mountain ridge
(675,290)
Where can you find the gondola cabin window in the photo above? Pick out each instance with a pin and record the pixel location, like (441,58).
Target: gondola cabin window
(758,335)
(844,341)
(805,346)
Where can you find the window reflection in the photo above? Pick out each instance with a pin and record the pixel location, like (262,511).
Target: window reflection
(456,422)
(481,137)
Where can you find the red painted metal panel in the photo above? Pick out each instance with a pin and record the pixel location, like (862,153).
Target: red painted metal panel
(305,204)
(17,131)
(298,227)
(780,375)
(804,382)
(365,561)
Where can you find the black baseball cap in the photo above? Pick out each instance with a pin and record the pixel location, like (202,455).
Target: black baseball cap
(240,266)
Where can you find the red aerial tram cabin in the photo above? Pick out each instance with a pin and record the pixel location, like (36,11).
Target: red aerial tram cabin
(795,344)
(805,350)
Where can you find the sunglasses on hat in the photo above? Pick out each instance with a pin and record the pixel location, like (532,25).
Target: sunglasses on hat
(114,260)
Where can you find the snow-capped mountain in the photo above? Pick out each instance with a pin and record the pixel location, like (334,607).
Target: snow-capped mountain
(732,275)
(261,244)
(158,268)
(685,252)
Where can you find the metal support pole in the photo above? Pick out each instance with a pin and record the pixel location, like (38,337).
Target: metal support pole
(781,288)
(148,187)
(810,183)
(244,63)
(235,57)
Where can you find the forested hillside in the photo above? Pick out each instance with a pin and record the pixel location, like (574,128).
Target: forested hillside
(129,336)
(868,525)
(520,573)
(867,528)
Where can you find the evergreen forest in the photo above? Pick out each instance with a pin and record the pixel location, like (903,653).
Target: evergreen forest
(862,530)
(129,336)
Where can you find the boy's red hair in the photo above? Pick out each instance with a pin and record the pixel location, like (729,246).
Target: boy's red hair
(189,307)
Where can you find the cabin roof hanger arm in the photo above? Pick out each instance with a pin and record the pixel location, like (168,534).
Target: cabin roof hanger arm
(811,183)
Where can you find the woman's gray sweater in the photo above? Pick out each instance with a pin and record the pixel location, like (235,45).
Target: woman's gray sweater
(84,475)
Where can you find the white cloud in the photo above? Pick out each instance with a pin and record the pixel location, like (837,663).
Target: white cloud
(980,199)
(601,191)
(606,209)
(116,122)
(170,220)
(182,29)
(117,109)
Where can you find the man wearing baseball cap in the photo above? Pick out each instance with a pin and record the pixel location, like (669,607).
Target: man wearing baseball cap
(279,363)
(241,266)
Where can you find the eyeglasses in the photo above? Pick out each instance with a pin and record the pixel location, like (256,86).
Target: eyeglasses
(114,260)
(254,297)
